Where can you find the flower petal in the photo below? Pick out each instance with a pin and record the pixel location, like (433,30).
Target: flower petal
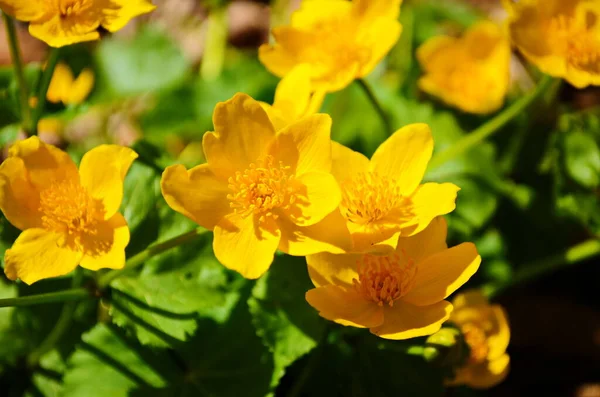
(293,93)
(60,32)
(426,243)
(500,337)
(241,244)
(106,249)
(333,269)
(443,273)
(317,195)
(374,9)
(489,374)
(429,201)
(404,320)
(283,56)
(382,36)
(39,254)
(23,10)
(60,84)
(345,307)
(81,88)
(197,194)
(116,18)
(346,163)
(102,172)
(242,134)
(19,199)
(404,156)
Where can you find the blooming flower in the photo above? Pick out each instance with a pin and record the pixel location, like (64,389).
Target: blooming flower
(68,217)
(397,295)
(471,72)
(260,189)
(67,89)
(560,37)
(294,98)
(486,331)
(63,22)
(384,198)
(340,40)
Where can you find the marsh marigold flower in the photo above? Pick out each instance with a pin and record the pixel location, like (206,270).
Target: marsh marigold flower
(65,88)
(68,217)
(63,22)
(397,295)
(471,72)
(486,332)
(383,198)
(261,189)
(560,37)
(340,40)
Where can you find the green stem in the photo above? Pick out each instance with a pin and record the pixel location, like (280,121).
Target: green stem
(61,327)
(61,296)
(43,88)
(137,260)
(492,126)
(376,105)
(534,270)
(15,53)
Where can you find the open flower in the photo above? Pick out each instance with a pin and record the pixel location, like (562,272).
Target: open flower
(471,72)
(384,198)
(67,89)
(486,332)
(560,37)
(294,98)
(63,22)
(340,40)
(260,189)
(399,295)
(68,217)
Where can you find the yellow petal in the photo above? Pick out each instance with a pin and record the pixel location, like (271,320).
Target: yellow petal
(241,244)
(490,373)
(317,195)
(305,145)
(197,194)
(293,93)
(428,53)
(60,32)
(382,35)
(328,235)
(60,84)
(81,88)
(102,172)
(499,339)
(429,201)
(426,243)
(106,248)
(23,10)
(404,320)
(346,163)
(442,273)
(242,133)
(38,254)
(345,306)
(313,13)
(377,8)
(121,12)
(404,156)
(276,116)
(19,199)
(332,269)
(45,163)
(283,56)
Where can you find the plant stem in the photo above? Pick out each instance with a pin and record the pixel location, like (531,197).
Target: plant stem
(490,127)
(15,53)
(61,296)
(43,87)
(137,260)
(313,361)
(535,269)
(376,104)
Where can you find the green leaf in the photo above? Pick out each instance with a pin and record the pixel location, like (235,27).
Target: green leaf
(285,322)
(140,194)
(582,158)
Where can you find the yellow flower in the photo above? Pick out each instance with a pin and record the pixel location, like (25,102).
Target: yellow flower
(68,217)
(67,89)
(338,39)
(63,22)
(560,37)
(399,295)
(260,190)
(486,331)
(471,72)
(294,98)
(384,198)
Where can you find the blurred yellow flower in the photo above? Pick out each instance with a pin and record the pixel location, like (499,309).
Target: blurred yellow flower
(486,332)
(63,22)
(338,39)
(560,37)
(261,189)
(68,217)
(294,98)
(471,72)
(67,89)
(398,295)
(383,198)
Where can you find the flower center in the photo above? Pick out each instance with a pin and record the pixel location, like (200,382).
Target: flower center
(578,43)
(68,208)
(261,188)
(384,279)
(476,339)
(368,197)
